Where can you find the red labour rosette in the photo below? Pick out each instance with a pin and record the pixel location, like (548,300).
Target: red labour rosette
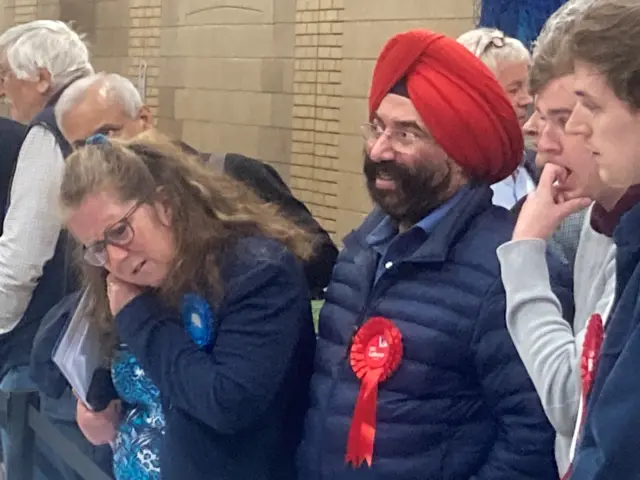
(375,355)
(591,346)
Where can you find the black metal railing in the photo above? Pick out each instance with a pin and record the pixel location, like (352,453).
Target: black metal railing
(20,415)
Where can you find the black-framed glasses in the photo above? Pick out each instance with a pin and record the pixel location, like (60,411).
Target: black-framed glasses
(119,234)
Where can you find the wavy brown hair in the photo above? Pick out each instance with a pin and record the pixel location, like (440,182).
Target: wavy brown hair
(209,213)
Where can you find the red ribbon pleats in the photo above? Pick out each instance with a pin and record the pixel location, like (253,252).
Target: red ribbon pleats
(375,354)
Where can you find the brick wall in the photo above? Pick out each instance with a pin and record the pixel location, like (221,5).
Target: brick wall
(282,80)
(23,10)
(145,18)
(110,35)
(316,107)
(226,76)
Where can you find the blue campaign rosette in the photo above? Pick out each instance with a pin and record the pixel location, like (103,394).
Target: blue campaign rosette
(197,316)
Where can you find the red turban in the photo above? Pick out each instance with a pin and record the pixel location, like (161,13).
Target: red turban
(458,98)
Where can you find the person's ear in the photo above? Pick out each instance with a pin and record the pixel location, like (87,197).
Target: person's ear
(145,117)
(43,82)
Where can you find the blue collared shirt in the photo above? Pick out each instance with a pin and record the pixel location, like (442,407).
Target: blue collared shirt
(393,246)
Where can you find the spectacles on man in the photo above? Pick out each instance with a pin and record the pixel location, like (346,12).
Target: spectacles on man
(402,140)
(119,234)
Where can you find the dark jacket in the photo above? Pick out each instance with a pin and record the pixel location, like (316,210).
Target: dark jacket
(265,181)
(608,449)
(233,411)
(267,184)
(461,404)
(11,137)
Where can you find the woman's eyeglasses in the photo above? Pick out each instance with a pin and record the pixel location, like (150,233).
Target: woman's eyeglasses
(119,234)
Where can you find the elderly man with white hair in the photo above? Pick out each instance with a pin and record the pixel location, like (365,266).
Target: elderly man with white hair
(103,103)
(38,60)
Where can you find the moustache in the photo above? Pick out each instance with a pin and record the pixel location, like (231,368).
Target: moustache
(386,168)
(418,189)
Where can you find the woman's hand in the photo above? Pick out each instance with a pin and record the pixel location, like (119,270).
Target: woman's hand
(120,293)
(99,428)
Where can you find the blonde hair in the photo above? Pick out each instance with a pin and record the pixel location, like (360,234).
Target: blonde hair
(494,48)
(209,213)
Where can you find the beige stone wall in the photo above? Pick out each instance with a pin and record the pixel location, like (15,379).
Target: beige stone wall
(316,109)
(282,80)
(226,76)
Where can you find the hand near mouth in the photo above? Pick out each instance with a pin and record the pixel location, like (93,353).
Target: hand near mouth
(547,206)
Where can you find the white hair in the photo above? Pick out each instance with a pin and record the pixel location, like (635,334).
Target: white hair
(494,48)
(46,44)
(116,88)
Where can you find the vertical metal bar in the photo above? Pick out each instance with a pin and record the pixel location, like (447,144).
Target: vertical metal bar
(63,447)
(19,464)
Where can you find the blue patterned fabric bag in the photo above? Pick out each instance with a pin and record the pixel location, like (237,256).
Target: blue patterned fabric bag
(136,452)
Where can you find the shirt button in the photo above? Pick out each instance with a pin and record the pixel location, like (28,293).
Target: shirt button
(388,265)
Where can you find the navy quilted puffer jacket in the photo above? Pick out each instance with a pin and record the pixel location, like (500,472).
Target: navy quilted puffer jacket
(608,448)
(461,405)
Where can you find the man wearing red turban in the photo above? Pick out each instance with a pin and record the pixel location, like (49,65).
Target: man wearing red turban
(415,375)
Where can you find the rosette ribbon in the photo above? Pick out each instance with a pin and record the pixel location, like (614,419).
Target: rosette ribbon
(375,355)
(591,347)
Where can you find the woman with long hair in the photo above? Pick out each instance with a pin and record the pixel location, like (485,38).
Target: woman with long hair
(198,289)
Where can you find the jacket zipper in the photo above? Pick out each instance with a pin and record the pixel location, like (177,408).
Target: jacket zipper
(374,292)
